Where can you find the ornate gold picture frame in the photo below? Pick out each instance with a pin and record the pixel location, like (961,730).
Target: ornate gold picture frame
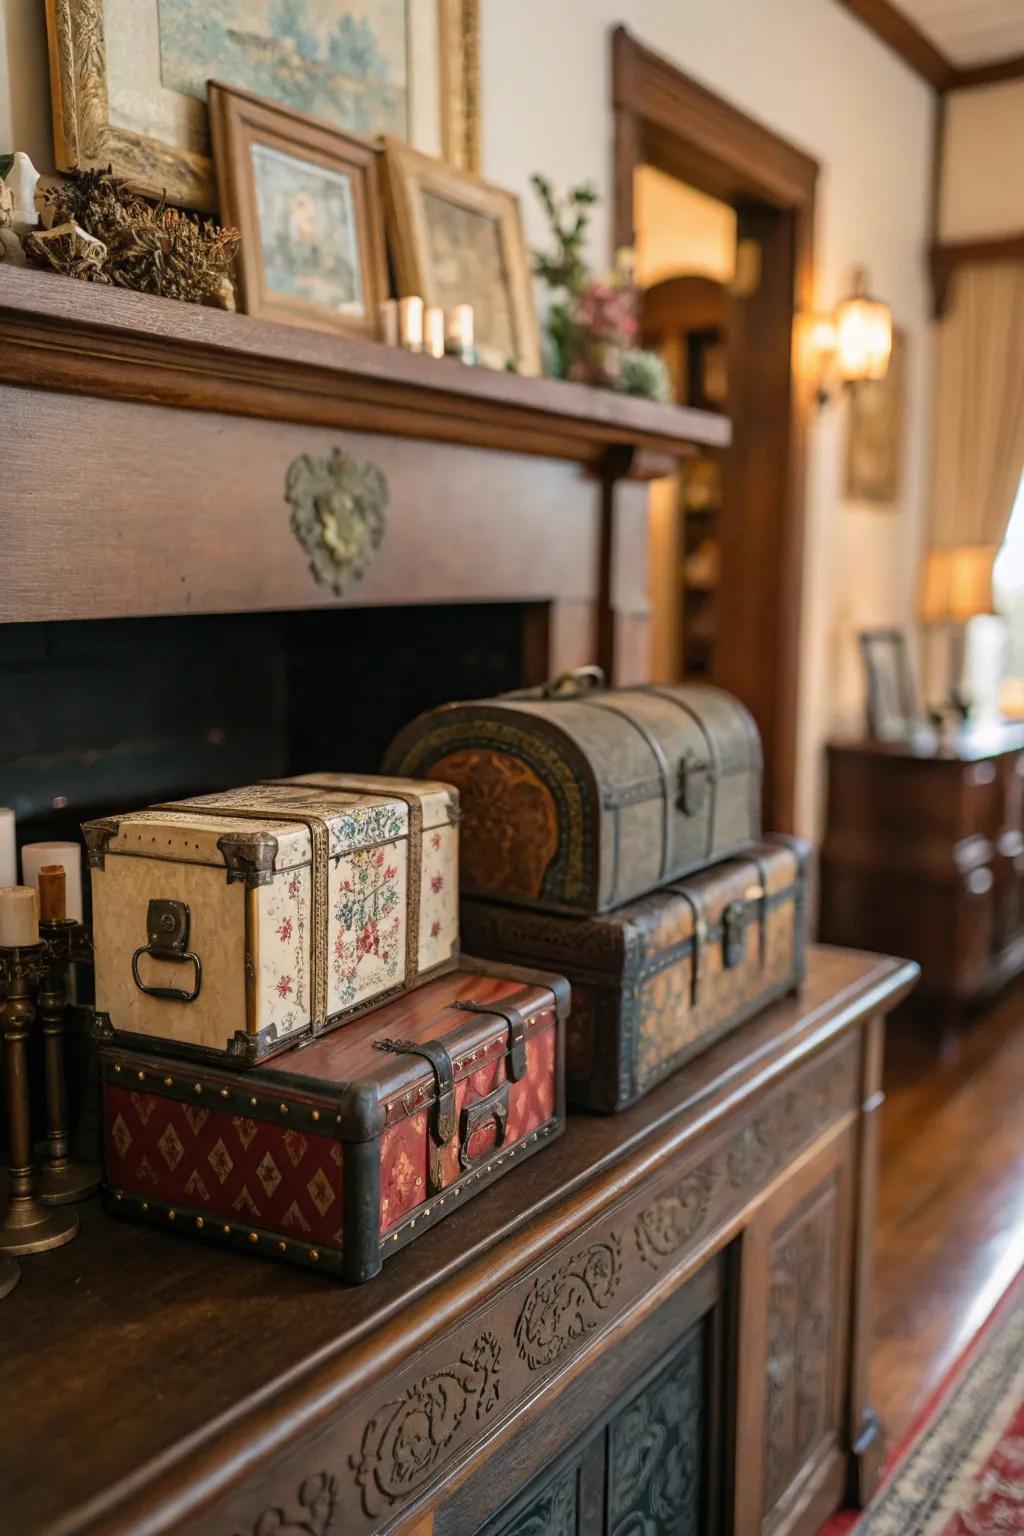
(456,240)
(128,84)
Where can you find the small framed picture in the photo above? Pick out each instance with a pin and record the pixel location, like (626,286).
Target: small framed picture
(456,240)
(307,201)
(892,712)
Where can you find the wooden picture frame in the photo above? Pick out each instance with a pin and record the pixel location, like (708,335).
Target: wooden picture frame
(106,74)
(874,441)
(438,218)
(892,709)
(324,188)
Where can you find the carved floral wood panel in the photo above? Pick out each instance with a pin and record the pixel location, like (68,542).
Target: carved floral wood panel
(801,1325)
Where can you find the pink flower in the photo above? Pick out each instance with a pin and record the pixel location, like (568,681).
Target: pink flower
(284,986)
(437,884)
(293,886)
(378,858)
(369,940)
(435,841)
(391,872)
(435,929)
(285,930)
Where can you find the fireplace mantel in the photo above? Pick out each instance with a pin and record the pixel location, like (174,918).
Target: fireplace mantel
(93,340)
(147,444)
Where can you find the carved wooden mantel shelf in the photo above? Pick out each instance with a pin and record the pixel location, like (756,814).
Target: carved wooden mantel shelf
(76,337)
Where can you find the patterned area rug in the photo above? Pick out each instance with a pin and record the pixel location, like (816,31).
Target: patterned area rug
(963,1474)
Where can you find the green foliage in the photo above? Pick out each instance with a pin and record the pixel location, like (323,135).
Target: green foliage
(643,373)
(568,217)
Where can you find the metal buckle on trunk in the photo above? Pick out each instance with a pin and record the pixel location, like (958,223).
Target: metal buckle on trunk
(734,934)
(696,779)
(516,1044)
(442,1112)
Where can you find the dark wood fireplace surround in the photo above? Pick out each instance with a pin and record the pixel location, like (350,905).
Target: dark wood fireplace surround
(666,1318)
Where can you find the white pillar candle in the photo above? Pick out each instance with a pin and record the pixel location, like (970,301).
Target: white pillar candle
(8,847)
(433,332)
(410,312)
(19,916)
(460,331)
(69,856)
(389,323)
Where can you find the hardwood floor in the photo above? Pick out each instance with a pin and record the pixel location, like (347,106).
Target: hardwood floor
(951,1198)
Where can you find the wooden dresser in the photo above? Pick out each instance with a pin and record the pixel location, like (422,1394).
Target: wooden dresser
(924,856)
(660,1324)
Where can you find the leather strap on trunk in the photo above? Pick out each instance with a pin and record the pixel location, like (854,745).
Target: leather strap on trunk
(442,1111)
(516,1046)
(414,805)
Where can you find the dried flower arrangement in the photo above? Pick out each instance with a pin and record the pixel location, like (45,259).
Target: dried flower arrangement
(591,322)
(99,230)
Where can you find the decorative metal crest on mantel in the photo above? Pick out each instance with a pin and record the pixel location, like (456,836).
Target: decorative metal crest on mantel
(339,515)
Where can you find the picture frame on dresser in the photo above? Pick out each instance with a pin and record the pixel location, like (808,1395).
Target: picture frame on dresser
(454,239)
(128,78)
(306,199)
(891,707)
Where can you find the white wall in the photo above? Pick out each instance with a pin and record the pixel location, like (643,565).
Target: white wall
(813,73)
(810,71)
(982,185)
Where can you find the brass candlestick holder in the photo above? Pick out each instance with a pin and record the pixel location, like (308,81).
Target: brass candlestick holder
(62,1179)
(27,1226)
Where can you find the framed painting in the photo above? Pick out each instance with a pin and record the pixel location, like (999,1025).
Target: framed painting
(306,199)
(456,240)
(892,709)
(875,431)
(128,78)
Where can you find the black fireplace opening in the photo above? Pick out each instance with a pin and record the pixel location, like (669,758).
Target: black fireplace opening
(105,716)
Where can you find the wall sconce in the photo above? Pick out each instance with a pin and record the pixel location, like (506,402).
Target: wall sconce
(850,345)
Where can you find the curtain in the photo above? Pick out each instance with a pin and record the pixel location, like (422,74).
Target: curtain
(979,438)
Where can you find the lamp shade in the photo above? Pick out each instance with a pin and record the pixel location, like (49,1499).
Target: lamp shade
(957,583)
(863,338)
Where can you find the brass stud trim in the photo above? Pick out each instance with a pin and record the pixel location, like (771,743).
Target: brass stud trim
(226,1230)
(254,1237)
(168,1082)
(117,1068)
(197,1088)
(172,1215)
(225,1093)
(142,1077)
(118,1194)
(200,1223)
(314,1254)
(282,1109)
(144,1207)
(253,1103)
(315,1115)
(282,1247)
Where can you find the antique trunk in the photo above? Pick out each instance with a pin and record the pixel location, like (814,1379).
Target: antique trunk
(578,798)
(339,1153)
(660,979)
(233,925)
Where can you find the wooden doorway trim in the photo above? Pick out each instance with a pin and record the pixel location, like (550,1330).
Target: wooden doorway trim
(664,118)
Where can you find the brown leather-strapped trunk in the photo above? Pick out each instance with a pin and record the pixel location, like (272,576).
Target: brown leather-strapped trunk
(659,980)
(577,797)
(337,1155)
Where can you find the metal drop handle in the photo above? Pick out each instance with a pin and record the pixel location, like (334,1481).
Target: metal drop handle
(167,925)
(577,680)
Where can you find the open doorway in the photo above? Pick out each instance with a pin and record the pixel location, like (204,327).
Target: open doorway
(669,125)
(685,264)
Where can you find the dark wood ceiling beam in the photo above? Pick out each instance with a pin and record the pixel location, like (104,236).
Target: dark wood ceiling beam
(900,34)
(919,53)
(989,74)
